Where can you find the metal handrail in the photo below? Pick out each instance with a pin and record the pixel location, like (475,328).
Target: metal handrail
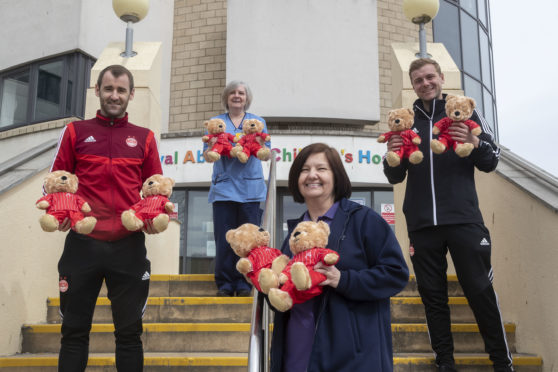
(258,350)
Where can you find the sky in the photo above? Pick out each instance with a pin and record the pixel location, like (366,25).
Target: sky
(524,43)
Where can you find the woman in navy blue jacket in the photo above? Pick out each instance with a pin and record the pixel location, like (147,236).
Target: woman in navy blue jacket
(348,327)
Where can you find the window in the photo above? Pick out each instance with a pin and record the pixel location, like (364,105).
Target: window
(44,90)
(463,27)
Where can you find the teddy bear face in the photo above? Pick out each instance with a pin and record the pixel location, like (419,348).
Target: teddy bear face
(459,108)
(308,235)
(246,237)
(61,181)
(252,126)
(400,119)
(157,185)
(215,126)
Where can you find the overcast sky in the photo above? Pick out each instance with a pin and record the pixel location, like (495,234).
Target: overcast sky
(526,72)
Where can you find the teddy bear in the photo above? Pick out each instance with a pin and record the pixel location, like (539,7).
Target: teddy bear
(458,108)
(61,201)
(259,263)
(216,129)
(248,145)
(400,122)
(154,205)
(299,280)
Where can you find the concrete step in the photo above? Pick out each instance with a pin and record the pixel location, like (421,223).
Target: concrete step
(233,362)
(233,337)
(238,310)
(204,285)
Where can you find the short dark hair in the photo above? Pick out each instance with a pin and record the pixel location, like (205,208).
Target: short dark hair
(116,71)
(419,63)
(342,184)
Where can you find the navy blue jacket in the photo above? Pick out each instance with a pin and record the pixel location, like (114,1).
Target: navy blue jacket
(353,324)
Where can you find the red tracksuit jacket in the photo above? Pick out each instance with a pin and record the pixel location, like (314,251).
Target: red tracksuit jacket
(112,159)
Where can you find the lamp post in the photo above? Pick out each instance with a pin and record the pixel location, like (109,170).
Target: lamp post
(130,11)
(421,12)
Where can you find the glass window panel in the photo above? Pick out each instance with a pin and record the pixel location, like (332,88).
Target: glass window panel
(383,197)
(289,211)
(15,98)
(446,30)
(489,109)
(470,44)
(362,197)
(72,65)
(473,89)
(482,12)
(48,91)
(470,6)
(485,60)
(200,241)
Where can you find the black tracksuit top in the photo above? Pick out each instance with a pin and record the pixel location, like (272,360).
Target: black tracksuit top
(441,189)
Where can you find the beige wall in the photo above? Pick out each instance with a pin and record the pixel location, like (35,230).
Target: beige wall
(524,234)
(29,258)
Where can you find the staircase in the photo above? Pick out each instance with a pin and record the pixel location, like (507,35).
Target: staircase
(187,329)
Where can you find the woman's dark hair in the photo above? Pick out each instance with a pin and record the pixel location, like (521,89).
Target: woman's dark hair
(341,182)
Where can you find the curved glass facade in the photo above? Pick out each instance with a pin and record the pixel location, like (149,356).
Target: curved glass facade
(464,28)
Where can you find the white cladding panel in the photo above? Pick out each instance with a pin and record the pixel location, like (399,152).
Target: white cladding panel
(306,59)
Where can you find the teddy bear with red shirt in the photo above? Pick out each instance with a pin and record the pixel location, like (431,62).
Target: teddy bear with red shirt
(299,280)
(155,205)
(61,201)
(248,144)
(400,121)
(458,109)
(258,262)
(222,147)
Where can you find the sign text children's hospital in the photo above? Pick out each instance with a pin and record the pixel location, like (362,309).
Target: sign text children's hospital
(182,158)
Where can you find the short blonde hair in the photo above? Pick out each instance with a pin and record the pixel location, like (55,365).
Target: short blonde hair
(418,63)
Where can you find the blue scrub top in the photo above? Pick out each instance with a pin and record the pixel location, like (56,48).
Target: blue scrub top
(233,180)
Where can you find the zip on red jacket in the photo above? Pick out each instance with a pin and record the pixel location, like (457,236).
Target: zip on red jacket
(111,158)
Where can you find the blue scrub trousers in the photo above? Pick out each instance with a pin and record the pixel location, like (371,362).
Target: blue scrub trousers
(230,215)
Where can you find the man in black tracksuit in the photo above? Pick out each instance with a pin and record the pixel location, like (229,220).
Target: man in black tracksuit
(442,213)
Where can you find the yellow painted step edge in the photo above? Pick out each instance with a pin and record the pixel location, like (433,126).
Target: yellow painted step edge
(239,327)
(242,361)
(211,277)
(184,301)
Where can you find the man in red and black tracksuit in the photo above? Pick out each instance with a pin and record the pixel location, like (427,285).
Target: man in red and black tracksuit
(111,158)
(442,213)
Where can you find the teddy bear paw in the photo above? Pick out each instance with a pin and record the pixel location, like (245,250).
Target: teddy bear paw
(130,221)
(48,223)
(416,157)
(86,226)
(437,146)
(212,156)
(264,154)
(300,276)
(242,157)
(267,280)
(161,222)
(279,264)
(464,149)
(280,300)
(244,266)
(393,159)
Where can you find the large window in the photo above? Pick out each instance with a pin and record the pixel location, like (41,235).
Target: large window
(44,90)
(463,27)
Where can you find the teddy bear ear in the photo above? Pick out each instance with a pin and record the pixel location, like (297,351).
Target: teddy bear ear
(324,226)
(230,235)
(471,102)
(206,123)
(450,97)
(390,114)
(410,112)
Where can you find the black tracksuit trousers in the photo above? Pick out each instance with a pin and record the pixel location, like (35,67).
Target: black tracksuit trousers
(84,264)
(470,249)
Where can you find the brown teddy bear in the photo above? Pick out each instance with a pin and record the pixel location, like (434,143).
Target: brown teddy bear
(259,263)
(458,108)
(248,144)
(400,122)
(155,205)
(300,281)
(216,129)
(61,201)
